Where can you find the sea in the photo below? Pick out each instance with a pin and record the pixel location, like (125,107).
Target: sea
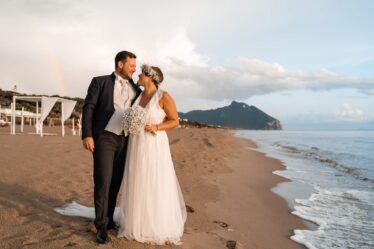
(338,167)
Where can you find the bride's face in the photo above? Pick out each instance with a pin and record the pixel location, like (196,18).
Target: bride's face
(143,79)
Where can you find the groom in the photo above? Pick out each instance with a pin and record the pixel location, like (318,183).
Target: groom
(102,133)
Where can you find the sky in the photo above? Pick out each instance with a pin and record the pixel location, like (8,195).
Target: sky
(303,62)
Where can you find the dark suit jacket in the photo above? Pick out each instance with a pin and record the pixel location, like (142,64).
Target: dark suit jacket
(98,106)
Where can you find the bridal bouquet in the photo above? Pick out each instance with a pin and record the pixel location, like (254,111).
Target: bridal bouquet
(134,119)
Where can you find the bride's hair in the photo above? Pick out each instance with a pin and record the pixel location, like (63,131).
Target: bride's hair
(154,72)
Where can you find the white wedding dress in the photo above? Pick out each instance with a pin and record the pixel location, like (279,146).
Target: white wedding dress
(152,208)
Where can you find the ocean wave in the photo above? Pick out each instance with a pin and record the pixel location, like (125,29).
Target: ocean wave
(342,207)
(314,153)
(344,218)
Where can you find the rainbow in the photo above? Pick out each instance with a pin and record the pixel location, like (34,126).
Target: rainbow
(52,58)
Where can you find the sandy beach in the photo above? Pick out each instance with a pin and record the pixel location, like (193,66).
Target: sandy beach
(227,185)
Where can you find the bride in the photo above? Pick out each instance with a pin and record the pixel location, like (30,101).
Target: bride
(152,208)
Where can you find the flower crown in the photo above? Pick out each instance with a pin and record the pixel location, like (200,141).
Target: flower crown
(149,71)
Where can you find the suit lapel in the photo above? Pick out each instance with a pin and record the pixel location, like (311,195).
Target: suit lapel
(134,86)
(111,90)
(113,78)
(137,90)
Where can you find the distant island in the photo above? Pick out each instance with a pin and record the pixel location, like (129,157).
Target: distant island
(236,115)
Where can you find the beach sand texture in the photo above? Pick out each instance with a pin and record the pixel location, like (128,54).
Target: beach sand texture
(226,184)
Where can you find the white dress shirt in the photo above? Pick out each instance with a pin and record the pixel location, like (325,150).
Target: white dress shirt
(122,96)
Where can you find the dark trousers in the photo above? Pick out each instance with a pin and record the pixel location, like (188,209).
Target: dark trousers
(109,163)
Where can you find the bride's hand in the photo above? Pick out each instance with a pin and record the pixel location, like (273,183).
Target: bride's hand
(151,128)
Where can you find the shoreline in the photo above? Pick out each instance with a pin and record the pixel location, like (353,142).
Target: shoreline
(289,189)
(292,190)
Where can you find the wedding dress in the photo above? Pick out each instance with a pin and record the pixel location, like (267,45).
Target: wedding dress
(152,208)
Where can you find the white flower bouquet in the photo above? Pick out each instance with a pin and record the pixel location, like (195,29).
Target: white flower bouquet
(134,119)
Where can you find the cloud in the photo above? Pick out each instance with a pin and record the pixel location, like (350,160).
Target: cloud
(58,46)
(351,113)
(82,38)
(249,77)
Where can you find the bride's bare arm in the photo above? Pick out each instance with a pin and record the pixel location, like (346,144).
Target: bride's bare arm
(171,121)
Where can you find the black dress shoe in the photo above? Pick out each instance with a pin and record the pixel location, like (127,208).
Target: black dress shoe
(112,226)
(102,236)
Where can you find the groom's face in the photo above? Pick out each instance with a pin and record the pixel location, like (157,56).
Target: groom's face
(127,68)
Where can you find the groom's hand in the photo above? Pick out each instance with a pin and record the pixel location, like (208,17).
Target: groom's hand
(88,144)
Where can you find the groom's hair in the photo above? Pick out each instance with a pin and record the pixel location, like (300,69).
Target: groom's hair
(122,56)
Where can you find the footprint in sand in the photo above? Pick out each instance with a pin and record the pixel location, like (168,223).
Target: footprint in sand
(233,244)
(175,141)
(207,142)
(190,209)
(221,223)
